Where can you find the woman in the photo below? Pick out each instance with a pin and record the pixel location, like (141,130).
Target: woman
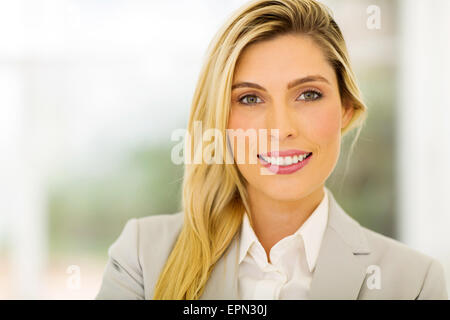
(269,229)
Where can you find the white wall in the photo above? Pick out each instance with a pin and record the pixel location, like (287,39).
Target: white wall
(423,126)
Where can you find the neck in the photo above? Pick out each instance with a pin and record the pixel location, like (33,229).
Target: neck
(273,220)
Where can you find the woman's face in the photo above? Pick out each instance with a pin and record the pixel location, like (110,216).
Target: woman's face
(308,114)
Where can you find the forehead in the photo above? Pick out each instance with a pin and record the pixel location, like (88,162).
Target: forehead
(282,59)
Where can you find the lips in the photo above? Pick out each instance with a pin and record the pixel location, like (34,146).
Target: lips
(286,161)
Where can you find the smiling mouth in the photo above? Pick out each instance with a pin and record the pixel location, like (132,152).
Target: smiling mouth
(285,161)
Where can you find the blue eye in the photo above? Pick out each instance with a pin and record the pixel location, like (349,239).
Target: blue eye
(310,95)
(251,99)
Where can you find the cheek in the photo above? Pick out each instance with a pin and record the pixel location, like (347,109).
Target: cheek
(325,126)
(240,119)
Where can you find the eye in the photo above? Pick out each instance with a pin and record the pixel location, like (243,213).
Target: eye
(310,95)
(251,99)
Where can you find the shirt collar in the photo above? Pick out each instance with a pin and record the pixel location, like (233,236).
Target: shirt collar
(312,231)
(248,237)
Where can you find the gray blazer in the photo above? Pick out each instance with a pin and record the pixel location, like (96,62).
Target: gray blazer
(353,263)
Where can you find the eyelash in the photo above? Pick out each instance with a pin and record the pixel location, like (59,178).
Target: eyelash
(319,95)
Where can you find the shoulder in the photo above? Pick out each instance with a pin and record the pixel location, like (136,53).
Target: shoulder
(164,227)
(138,255)
(399,272)
(156,236)
(138,233)
(405,269)
(385,247)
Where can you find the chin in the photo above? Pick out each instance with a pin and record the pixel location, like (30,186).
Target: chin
(285,194)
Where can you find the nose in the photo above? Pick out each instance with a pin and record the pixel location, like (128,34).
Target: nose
(281,116)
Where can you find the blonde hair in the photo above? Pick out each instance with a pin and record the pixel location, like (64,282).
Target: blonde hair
(214,196)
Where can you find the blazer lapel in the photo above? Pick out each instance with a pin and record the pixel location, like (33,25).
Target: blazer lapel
(343,258)
(223,280)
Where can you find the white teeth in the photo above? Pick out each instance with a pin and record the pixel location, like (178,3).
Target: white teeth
(288,161)
(285,161)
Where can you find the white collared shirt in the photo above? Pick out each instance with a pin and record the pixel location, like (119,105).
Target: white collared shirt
(293,260)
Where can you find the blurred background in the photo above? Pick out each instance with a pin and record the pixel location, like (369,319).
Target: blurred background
(91,90)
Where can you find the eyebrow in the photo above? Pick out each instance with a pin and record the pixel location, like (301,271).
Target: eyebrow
(290,85)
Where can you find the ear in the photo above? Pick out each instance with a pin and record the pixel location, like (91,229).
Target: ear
(347,114)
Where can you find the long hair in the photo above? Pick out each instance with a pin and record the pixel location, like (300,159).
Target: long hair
(214,197)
